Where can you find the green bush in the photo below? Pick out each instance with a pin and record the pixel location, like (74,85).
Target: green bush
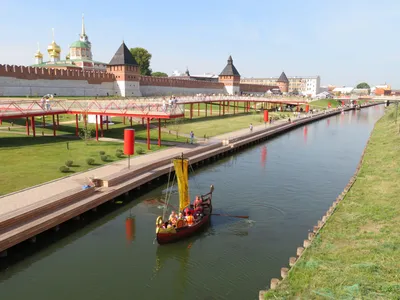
(119,154)
(139,151)
(90,161)
(69,163)
(64,169)
(105,157)
(119,151)
(102,152)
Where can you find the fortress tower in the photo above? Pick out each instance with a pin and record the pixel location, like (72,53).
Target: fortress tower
(230,77)
(283,83)
(126,70)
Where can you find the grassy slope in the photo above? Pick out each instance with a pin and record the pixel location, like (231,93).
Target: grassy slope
(356,255)
(27,161)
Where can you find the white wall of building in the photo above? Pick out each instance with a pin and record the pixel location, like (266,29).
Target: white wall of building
(312,86)
(148,90)
(10,86)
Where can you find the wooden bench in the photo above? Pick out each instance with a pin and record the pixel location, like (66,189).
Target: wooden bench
(44,206)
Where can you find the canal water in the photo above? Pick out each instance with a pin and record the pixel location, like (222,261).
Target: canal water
(284,185)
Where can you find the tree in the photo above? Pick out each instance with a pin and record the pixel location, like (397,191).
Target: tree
(159,74)
(142,57)
(363,85)
(86,134)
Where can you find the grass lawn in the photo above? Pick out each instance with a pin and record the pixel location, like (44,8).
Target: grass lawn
(28,161)
(323,103)
(215,125)
(356,255)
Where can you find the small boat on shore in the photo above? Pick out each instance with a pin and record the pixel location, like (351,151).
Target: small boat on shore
(169,233)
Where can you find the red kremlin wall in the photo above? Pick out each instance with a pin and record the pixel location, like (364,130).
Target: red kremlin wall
(34,81)
(35,73)
(256,88)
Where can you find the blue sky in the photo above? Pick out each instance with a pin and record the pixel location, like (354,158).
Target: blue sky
(345,42)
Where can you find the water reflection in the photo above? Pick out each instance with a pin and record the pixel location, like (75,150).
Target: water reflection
(264,156)
(305,133)
(130,229)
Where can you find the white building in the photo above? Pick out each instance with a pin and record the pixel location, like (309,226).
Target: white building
(306,85)
(343,90)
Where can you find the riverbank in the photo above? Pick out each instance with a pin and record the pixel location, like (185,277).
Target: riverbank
(355,255)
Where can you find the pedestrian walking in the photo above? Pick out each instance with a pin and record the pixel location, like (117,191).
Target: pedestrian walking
(191,137)
(251,127)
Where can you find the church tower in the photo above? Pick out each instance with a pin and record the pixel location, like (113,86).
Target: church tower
(230,77)
(38,56)
(126,70)
(54,51)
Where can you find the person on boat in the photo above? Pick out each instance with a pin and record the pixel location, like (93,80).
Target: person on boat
(197,202)
(189,209)
(190,219)
(198,207)
(173,218)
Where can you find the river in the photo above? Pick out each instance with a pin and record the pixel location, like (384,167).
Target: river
(284,185)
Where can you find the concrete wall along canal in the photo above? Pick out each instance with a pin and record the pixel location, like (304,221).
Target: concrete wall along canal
(30,221)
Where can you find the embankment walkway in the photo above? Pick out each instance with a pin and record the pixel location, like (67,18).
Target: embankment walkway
(26,213)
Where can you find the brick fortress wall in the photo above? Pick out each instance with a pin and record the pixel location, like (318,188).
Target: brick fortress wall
(256,88)
(34,81)
(150,86)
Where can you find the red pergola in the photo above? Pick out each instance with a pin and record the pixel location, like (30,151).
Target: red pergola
(146,108)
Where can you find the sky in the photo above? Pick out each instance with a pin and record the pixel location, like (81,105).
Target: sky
(344,42)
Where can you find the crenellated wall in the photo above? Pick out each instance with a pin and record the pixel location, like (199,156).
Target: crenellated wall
(150,86)
(256,88)
(34,81)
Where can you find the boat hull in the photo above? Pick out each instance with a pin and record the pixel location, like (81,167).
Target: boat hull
(183,233)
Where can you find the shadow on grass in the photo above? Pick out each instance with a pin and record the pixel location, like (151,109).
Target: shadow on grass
(68,172)
(95,164)
(75,166)
(19,141)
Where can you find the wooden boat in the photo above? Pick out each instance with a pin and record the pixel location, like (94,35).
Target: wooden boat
(182,230)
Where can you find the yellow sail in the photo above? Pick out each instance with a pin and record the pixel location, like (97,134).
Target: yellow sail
(181,171)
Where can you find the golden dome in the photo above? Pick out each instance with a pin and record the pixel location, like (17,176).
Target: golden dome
(38,54)
(53,47)
(53,53)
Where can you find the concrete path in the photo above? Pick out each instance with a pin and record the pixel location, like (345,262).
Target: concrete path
(153,142)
